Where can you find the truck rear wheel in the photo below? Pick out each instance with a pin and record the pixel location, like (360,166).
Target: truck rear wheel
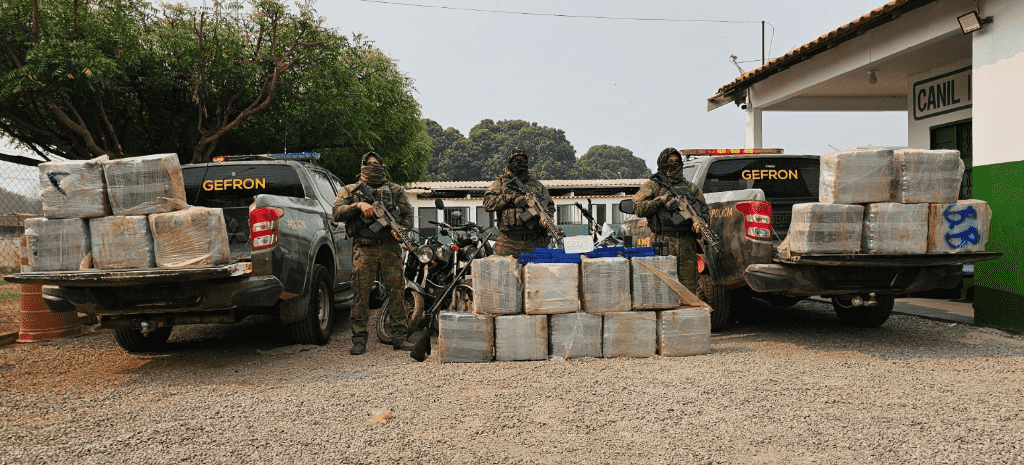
(318,324)
(870,316)
(133,340)
(718,298)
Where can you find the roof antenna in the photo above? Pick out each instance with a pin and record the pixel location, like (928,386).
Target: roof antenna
(834,148)
(733,59)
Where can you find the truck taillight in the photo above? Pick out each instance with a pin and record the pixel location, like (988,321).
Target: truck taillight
(757,219)
(263,227)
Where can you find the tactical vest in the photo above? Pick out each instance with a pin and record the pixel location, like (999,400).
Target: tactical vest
(509,219)
(357,227)
(661,222)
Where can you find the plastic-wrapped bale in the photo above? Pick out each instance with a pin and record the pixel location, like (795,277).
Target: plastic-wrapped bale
(825,228)
(648,290)
(958,227)
(895,228)
(856,176)
(575,335)
(630,334)
(196,236)
(120,242)
(145,185)
(74,189)
(604,285)
(465,338)
(497,286)
(520,337)
(684,331)
(550,288)
(926,176)
(58,244)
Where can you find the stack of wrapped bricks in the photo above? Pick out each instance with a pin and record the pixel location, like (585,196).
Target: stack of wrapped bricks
(121,214)
(600,307)
(890,202)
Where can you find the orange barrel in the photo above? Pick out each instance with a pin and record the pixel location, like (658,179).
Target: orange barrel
(38,323)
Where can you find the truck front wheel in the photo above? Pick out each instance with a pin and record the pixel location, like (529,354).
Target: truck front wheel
(133,340)
(718,298)
(318,324)
(869,316)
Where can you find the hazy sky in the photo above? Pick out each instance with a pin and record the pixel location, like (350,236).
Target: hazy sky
(642,85)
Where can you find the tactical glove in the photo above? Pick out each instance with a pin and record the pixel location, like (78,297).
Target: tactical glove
(672,204)
(521,202)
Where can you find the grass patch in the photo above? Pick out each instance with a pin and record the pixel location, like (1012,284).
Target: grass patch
(8,292)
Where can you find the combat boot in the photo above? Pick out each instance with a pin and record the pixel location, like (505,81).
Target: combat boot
(402,343)
(358,348)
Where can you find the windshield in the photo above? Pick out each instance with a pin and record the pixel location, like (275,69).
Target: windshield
(236,185)
(779,178)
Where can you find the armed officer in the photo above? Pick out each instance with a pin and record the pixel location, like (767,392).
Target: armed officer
(515,235)
(658,205)
(373,252)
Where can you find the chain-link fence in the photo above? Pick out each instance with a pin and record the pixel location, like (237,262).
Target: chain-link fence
(19,199)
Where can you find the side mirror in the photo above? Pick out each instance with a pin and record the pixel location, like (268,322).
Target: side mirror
(626,206)
(439,204)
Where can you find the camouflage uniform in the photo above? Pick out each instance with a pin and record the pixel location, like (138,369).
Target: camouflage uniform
(514,235)
(372,252)
(681,240)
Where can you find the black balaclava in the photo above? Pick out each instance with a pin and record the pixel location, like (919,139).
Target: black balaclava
(372,174)
(673,170)
(518,163)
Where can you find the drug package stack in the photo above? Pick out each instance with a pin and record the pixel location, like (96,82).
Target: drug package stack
(497,286)
(856,176)
(926,176)
(58,244)
(649,291)
(120,242)
(520,337)
(465,338)
(825,228)
(604,285)
(575,335)
(145,185)
(958,227)
(196,236)
(895,228)
(684,331)
(630,334)
(74,189)
(549,288)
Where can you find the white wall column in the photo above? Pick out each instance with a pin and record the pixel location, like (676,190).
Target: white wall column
(753,140)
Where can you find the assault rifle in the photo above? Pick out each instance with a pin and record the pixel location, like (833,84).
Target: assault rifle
(686,212)
(384,217)
(535,209)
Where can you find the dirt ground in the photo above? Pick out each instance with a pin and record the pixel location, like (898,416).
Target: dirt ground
(10,308)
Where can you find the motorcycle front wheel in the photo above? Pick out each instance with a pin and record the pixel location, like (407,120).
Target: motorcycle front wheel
(414,305)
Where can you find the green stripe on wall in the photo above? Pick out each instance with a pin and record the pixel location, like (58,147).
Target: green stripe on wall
(999,295)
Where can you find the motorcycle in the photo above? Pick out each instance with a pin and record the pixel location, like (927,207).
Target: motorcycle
(431,269)
(603,237)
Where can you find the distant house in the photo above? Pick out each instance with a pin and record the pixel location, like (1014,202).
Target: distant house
(464,199)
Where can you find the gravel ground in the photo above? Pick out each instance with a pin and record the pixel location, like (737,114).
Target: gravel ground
(791,386)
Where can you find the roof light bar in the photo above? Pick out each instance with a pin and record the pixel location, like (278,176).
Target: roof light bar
(700,152)
(305,156)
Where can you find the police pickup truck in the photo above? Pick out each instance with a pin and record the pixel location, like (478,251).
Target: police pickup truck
(750,194)
(290,259)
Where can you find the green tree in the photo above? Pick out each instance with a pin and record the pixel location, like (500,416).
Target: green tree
(484,153)
(343,105)
(80,79)
(611,162)
(443,140)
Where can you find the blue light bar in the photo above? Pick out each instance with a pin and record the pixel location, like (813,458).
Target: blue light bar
(301,156)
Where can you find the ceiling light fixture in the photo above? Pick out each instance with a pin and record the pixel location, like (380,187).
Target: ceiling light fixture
(971,22)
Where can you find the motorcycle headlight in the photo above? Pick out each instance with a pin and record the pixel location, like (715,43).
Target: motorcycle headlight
(468,251)
(424,254)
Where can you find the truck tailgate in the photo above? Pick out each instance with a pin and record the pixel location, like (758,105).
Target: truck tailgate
(885,260)
(130,277)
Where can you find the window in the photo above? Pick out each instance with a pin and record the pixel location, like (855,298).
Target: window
(618,217)
(226,186)
(600,213)
(568,214)
(779,178)
(484,218)
(456,216)
(423,216)
(323,184)
(956,136)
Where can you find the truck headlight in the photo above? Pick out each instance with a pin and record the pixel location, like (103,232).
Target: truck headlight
(424,254)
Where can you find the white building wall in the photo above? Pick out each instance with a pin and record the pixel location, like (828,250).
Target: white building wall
(919,131)
(999,84)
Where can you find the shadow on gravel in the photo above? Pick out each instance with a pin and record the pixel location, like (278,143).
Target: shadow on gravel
(814,326)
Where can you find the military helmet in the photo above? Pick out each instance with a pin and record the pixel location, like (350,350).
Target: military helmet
(663,156)
(367,155)
(518,152)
